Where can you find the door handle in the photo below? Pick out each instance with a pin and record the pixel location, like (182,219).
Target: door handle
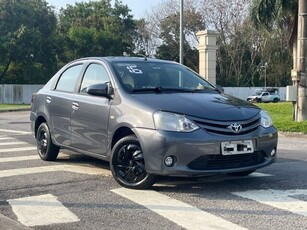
(48,99)
(75,106)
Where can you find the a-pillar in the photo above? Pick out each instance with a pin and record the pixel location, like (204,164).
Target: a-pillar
(207,54)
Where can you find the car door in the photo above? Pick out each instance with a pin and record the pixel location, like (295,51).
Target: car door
(90,115)
(265,97)
(59,105)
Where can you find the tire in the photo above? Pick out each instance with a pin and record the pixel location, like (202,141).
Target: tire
(258,100)
(244,173)
(128,165)
(47,151)
(275,100)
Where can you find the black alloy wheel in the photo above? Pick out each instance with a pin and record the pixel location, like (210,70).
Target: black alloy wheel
(128,164)
(45,148)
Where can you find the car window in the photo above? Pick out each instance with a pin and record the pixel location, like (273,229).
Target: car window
(68,79)
(94,74)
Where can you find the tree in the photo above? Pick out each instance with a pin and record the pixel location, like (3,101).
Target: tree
(241,48)
(26,32)
(96,29)
(238,53)
(163,31)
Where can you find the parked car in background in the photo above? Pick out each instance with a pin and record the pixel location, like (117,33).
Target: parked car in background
(265,95)
(149,118)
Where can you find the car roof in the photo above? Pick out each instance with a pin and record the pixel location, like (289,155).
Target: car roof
(112,59)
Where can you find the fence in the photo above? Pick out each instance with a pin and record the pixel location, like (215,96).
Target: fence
(17,94)
(244,92)
(21,94)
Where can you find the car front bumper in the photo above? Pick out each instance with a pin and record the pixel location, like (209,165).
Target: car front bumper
(199,153)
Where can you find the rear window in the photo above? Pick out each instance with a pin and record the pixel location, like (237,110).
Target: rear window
(68,79)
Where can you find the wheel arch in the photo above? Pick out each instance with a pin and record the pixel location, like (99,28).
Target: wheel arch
(119,134)
(38,122)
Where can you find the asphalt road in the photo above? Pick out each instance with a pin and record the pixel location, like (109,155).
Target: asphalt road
(78,192)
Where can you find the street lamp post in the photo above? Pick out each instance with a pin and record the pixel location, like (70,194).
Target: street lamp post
(265,66)
(181,33)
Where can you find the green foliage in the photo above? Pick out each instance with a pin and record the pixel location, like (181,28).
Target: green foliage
(170,34)
(35,42)
(282,116)
(272,13)
(10,107)
(26,38)
(96,29)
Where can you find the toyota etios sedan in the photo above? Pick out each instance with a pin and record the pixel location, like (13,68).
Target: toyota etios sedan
(149,118)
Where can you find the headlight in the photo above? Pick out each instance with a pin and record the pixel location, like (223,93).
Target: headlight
(266,120)
(173,122)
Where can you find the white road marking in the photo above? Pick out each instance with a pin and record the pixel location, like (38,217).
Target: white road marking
(257,174)
(6,138)
(211,179)
(29,157)
(184,215)
(41,210)
(13,143)
(54,168)
(17,149)
(282,199)
(15,159)
(14,131)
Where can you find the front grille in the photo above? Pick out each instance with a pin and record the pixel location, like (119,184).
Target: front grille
(222,127)
(215,162)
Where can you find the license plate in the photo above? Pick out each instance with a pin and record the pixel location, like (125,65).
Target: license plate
(237,147)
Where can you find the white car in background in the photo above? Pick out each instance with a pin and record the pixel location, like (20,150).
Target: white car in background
(265,95)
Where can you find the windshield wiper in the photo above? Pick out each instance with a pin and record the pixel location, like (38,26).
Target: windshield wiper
(159,89)
(155,89)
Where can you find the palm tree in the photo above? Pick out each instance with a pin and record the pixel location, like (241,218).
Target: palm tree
(276,13)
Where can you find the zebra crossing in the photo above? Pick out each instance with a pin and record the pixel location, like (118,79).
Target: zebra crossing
(183,214)
(43,209)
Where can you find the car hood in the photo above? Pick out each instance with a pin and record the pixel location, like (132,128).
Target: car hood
(213,106)
(253,96)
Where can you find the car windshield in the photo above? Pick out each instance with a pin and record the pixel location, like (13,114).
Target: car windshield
(159,77)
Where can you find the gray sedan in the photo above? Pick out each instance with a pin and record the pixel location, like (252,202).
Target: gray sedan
(149,118)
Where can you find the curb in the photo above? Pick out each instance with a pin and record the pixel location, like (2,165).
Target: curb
(14,110)
(292,134)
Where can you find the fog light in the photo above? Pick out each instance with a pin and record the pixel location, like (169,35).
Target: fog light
(273,152)
(169,161)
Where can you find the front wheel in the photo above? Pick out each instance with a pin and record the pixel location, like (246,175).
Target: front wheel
(45,148)
(128,165)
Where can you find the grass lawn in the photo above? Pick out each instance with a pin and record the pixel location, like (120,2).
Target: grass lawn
(282,115)
(4,107)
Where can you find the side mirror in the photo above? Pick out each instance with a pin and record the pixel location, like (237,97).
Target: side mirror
(104,90)
(220,88)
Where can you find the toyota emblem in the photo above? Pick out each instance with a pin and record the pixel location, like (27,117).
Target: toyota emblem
(235,127)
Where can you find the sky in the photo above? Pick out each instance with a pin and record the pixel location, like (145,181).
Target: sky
(138,7)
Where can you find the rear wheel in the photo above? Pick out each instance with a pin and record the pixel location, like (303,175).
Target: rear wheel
(45,148)
(244,173)
(128,166)
(275,100)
